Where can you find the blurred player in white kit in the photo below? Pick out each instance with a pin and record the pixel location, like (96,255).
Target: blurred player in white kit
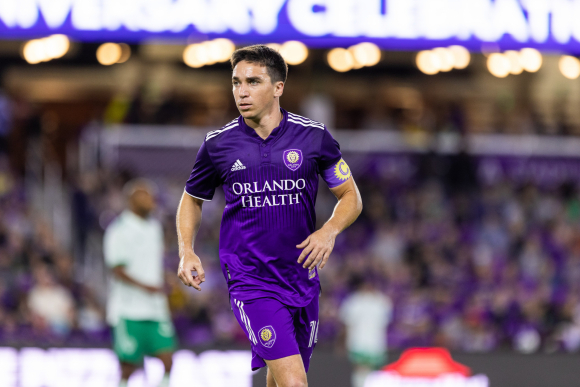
(138,309)
(366,313)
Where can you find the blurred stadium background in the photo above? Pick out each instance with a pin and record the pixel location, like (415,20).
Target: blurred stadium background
(459,119)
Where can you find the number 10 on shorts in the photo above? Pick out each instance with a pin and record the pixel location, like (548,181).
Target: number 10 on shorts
(313,333)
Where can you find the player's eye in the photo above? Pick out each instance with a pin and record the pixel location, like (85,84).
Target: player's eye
(253,82)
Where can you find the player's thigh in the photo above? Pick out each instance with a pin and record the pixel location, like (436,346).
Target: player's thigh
(126,342)
(269,326)
(288,371)
(306,328)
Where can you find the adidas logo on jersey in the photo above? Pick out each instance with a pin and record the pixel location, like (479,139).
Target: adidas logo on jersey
(238,166)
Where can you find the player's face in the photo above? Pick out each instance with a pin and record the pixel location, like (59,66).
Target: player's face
(254,92)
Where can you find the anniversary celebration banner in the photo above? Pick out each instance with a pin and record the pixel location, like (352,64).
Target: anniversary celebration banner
(392,24)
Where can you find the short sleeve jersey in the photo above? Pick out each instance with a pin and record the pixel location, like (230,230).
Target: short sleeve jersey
(136,244)
(270,190)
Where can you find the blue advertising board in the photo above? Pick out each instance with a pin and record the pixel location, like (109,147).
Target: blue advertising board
(549,25)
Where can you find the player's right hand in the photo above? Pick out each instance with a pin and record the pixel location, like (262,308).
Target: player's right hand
(190,262)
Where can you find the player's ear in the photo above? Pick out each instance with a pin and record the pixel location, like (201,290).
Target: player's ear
(278,89)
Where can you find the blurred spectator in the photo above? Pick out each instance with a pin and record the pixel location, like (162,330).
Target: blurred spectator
(50,303)
(91,318)
(6,109)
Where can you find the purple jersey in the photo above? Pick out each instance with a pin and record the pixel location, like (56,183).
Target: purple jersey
(270,189)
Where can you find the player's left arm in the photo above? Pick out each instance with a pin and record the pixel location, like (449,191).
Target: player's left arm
(318,246)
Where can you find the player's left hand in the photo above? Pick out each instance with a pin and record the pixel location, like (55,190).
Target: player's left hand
(317,247)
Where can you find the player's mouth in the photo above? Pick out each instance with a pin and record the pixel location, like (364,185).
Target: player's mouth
(245,106)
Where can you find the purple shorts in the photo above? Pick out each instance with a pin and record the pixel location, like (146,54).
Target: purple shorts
(276,330)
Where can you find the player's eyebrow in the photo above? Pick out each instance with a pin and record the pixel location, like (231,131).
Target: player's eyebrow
(249,79)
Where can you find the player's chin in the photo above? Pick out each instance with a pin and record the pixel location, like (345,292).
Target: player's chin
(247,113)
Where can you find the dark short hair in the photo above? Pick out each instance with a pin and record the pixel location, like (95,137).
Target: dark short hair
(264,56)
(139,184)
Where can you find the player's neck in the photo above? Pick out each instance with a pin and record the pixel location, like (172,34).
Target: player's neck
(267,123)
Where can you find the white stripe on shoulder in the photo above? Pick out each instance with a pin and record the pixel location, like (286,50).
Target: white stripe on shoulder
(299,116)
(225,126)
(234,121)
(304,119)
(230,125)
(306,125)
(218,132)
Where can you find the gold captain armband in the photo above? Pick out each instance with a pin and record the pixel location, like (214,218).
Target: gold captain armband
(341,170)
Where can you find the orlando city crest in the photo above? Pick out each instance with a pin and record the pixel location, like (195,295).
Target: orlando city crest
(292,158)
(267,336)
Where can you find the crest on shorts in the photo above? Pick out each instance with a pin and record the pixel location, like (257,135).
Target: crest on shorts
(312,274)
(292,158)
(267,336)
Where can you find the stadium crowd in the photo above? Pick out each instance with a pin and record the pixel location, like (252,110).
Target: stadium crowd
(405,110)
(41,299)
(468,266)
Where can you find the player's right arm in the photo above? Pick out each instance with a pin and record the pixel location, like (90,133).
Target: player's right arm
(188,222)
(200,187)
(121,274)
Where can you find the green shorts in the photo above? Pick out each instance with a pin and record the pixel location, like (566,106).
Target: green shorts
(371,360)
(133,340)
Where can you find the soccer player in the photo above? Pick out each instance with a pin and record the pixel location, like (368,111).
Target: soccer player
(268,161)
(366,313)
(137,308)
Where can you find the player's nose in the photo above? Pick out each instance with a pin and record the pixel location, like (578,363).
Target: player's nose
(243,91)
